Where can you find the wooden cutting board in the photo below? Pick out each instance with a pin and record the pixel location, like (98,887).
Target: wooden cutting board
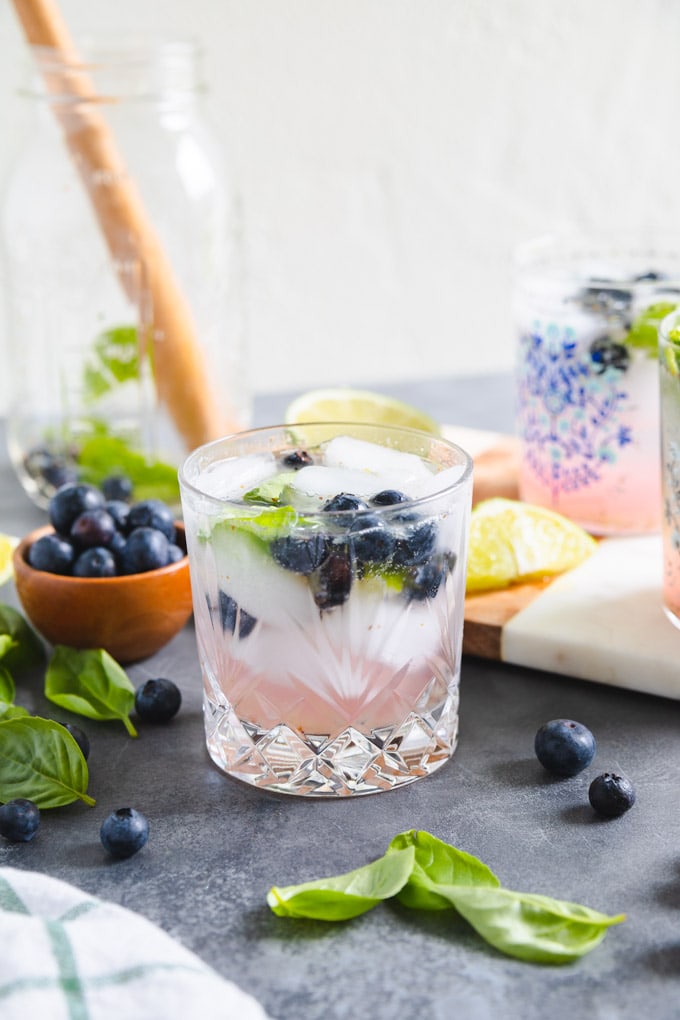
(602,621)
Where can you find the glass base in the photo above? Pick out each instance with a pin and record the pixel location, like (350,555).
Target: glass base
(348,763)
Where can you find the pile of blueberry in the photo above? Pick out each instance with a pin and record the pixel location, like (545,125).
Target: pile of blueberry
(360,539)
(565,747)
(99,533)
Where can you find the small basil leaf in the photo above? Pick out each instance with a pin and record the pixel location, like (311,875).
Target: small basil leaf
(531,927)
(40,760)
(345,896)
(7,688)
(26,649)
(9,711)
(438,864)
(90,682)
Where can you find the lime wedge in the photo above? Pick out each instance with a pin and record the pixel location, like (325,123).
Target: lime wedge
(355,406)
(8,544)
(512,542)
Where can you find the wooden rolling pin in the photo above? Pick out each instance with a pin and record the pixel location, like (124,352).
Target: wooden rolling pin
(179,369)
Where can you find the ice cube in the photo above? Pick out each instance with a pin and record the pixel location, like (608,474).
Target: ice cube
(357,454)
(438,482)
(323,482)
(231,479)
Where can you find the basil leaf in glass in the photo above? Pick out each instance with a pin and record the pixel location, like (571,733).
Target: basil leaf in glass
(114,360)
(40,760)
(530,927)
(91,683)
(25,648)
(102,455)
(7,688)
(345,896)
(436,865)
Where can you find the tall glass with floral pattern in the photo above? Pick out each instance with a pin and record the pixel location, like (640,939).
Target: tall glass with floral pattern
(328,570)
(669,375)
(587,314)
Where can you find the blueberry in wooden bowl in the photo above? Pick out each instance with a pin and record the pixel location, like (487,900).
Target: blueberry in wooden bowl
(100,577)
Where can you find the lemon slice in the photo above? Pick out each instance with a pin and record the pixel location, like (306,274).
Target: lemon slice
(7,546)
(341,404)
(512,542)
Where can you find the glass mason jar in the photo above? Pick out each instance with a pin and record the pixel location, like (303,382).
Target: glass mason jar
(587,312)
(124,327)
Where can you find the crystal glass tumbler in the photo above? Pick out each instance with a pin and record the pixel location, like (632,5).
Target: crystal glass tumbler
(328,573)
(587,314)
(669,370)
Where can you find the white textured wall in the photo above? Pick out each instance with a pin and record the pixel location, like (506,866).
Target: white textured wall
(389,153)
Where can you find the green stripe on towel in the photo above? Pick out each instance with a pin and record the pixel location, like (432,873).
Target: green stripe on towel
(68,972)
(9,900)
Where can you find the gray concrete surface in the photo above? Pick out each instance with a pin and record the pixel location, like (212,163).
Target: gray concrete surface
(216,846)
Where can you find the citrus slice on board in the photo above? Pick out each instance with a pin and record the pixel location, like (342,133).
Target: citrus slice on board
(357,406)
(513,542)
(7,546)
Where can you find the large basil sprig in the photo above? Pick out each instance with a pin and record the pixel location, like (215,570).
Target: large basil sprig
(437,876)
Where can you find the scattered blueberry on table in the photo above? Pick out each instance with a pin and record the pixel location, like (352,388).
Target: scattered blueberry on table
(564,747)
(157,700)
(611,794)
(124,832)
(19,820)
(81,738)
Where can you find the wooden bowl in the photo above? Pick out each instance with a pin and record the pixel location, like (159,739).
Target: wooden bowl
(130,616)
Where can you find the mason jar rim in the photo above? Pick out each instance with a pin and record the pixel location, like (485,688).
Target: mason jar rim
(573,245)
(177,63)
(337,427)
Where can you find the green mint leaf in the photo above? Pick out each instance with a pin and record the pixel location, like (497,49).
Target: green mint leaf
(103,455)
(644,332)
(25,648)
(91,683)
(345,896)
(7,688)
(271,489)
(40,760)
(534,928)
(266,525)
(436,865)
(114,360)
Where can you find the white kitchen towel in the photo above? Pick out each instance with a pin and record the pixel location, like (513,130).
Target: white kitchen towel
(65,955)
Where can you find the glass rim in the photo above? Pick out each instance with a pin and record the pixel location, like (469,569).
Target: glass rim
(219,501)
(535,252)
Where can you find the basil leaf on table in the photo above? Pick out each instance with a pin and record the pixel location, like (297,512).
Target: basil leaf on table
(438,864)
(40,760)
(532,927)
(7,688)
(26,649)
(90,682)
(345,896)
(437,876)
(10,711)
